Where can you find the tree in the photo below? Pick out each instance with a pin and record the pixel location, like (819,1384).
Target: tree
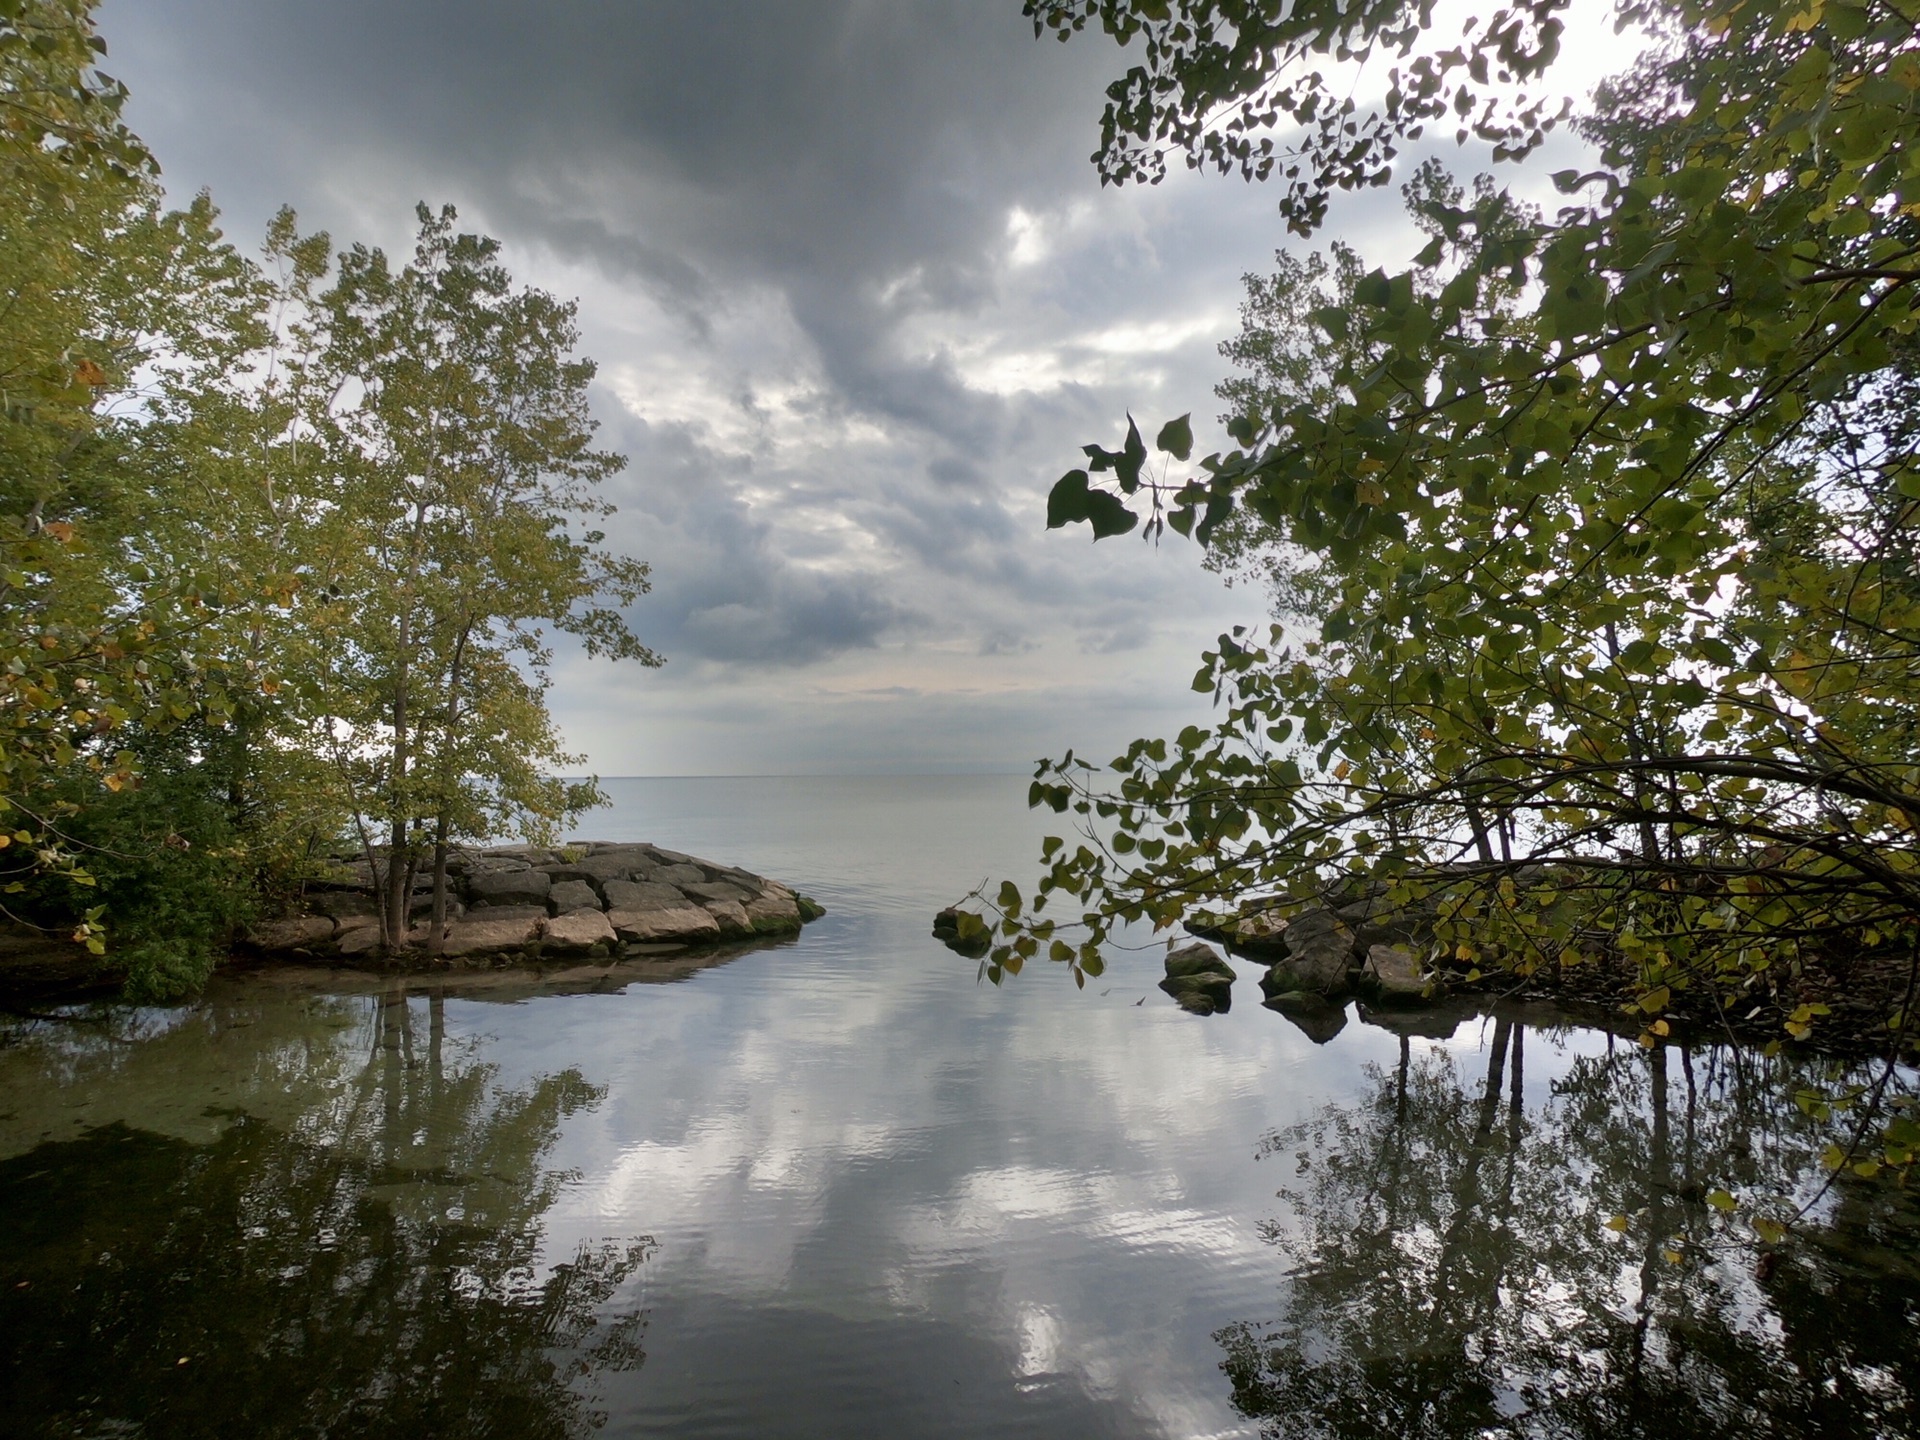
(280,541)
(456,465)
(1614,521)
(104,639)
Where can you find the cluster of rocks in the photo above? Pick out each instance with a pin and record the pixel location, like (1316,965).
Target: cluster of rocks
(518,902)
(1316,959)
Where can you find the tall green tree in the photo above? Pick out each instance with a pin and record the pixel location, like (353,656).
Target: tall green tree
(1612,508)
(460,489)
(105,638)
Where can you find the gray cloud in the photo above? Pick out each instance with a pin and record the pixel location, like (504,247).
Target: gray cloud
(858,298)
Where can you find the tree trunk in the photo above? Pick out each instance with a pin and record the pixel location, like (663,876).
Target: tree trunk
(444,801)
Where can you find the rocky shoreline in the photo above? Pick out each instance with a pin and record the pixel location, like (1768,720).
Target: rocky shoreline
(1354,944)
(512,904)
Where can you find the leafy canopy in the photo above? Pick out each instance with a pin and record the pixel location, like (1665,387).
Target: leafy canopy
(1611,511)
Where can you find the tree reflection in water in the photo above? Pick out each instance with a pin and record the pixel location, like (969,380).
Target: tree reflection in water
(1453,1273)
(370,1270)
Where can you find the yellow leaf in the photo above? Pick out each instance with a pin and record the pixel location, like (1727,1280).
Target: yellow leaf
(1771,1231)
(1618,1224)
(1342,770)
(1721,1200)
(1672,1257)
(1807,18)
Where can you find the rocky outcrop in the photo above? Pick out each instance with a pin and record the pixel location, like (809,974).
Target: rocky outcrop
(1199,979)
(515,903)
(1353,941)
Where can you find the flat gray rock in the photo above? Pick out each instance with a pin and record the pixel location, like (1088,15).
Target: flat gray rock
(641,895)
(498,913)
(569,895)
(476,935)
(578,931)
(516,887)
(688,922)
(717,890)
(610,865)
(678,874)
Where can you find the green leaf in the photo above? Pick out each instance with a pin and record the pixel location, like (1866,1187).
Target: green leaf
(1176,438)
(1068,501)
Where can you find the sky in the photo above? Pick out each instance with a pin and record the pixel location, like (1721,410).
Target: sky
(857,299)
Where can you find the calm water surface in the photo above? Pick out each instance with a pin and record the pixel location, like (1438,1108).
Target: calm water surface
(837,1188)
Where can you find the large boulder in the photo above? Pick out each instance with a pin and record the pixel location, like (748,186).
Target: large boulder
(358,935)
(570,895)
(511,887)
(610,865)
(1376,922)
(1259,933)
(486,932)
(1197,959)
(660,855)
(687,922)
(579,932)
(641,895)
(717,890)
(1392,976)
(678,874)
(1319,954)
(777,912)
(1200,992)
(731,914)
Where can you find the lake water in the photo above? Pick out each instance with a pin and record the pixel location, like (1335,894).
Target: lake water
(838,1187)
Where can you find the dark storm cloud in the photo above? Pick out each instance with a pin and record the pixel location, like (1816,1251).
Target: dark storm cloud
(857,295)
(725,590)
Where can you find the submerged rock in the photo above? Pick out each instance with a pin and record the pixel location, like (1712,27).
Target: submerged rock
(946,929)
(1200,992)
